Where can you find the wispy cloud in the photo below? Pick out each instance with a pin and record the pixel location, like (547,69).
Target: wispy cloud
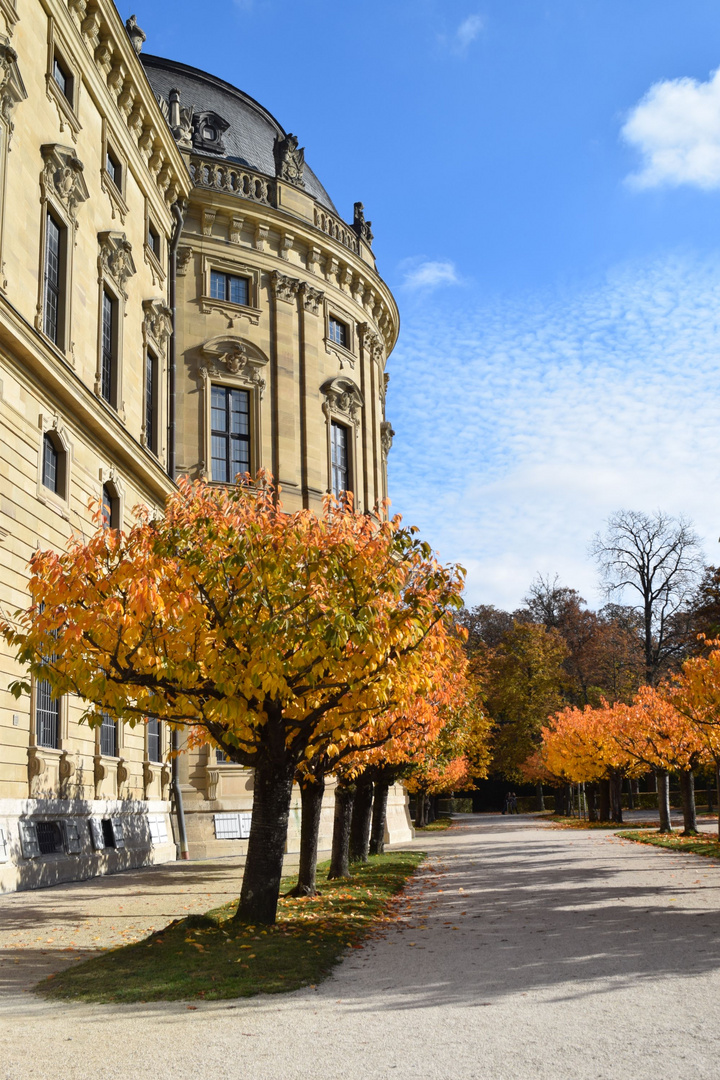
(460,39)
(430,275)
(676,128)
(522,426)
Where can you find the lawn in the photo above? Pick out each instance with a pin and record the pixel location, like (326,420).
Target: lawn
(578,823)
(211,957)
(438,825)
(704,844)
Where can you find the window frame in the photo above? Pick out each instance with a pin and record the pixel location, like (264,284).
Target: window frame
(113,183)
(114,168)
(66,100)
(227,433)
(151,402)
(347,351)
(107,722)
(52,220)
(157,734)
(228,280)
(111,499)
(51,440)
(51,425)
(208,303)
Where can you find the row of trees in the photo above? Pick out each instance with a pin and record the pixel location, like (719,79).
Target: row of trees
(554,653)
(301,645)
(671,728)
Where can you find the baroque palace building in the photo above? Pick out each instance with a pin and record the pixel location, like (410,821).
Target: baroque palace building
(178,296)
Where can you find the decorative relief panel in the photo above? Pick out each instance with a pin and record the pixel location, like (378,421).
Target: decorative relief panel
(12,88)
(184,256)
(223,356)
(62,178)
(312,299)
(386,438)
(284,287)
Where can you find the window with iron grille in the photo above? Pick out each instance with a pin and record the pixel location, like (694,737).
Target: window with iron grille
(49,837)
(108,736)
(107,361)
(230,433)
(151,400)
(110,508)
(113,168)
(154,739)
(235,290)
(53,465)
(52,307)
(339,459)
(338,332)
(47,715)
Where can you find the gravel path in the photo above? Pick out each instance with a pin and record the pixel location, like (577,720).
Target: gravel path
(524,953)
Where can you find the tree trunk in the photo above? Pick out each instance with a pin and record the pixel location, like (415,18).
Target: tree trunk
(312,799)
(340,857)
(687,787)
(663,786)
(560,801)
(709,797)
(266,845)
(604,799)
(592,806)
(431,809)
(717,784)
(379,817)
(616,797)
(539,797)
(360,823)
(420,810)
(631,795)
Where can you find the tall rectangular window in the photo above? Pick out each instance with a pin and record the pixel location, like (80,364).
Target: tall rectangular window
(339,459)
(63,78)
(228,287)
(153,239)
(47,715)
(151,402)
(51,465)
(108,736)
(153,737)
(113,168)
(53,279)
(107,360)
(230,433)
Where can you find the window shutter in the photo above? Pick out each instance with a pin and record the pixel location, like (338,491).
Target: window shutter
(119,833)
(245,820)
(28,840)
(72,837)
(98,840)
(4,845)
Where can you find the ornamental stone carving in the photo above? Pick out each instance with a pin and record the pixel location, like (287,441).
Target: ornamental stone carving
(62,178)
(289,160)
(386,438)
(137,36)
(207,132)
(360,225)
(312,299)
(115,258)
(232,356)
(157,322)
(342,398)
(284,287)
(371,342)
(184,256)
(12,88)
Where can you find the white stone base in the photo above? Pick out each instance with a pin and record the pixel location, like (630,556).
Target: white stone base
(18,871)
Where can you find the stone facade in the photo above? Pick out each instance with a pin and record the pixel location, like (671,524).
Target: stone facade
(281,319)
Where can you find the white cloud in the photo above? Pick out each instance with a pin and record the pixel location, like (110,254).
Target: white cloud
(429,275)
(468,30)
(522,425)
(676,128)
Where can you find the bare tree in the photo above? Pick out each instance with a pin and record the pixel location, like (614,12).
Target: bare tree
(658,557)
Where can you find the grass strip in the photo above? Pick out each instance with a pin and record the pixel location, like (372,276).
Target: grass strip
(575,823)
(438,825)
(212,957)
(696,845)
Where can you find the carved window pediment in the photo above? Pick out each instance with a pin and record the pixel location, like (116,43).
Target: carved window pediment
(157,322)
(62,178)
(231,356)
(115,258)
(342,398)
(12,88)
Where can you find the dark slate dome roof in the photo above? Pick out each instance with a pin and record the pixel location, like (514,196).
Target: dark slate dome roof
(250,136)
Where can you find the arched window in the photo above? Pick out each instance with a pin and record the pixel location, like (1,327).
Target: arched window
(110,508)
(53,463)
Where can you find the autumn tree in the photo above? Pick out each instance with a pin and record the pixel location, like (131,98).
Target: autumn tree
(658,559)
(272,635)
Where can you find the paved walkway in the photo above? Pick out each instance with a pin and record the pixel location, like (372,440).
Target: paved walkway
(525,953)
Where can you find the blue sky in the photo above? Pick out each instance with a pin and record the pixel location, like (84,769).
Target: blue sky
(544,184)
